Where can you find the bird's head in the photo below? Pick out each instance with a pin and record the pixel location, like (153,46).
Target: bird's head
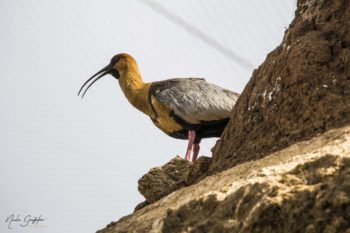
(118,65)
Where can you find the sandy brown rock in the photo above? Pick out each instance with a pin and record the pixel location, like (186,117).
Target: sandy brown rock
(161,181)
(313,197)
(302,187)
(141,205)
(177,173)
(198,170)
(302,89)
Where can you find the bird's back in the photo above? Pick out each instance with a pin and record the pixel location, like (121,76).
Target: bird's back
(195,100)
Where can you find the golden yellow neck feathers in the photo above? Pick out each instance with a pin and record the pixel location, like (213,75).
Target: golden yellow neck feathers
(131,83)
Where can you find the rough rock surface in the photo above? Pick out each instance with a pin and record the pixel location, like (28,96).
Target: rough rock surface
(302,89)
(177,173)
(313,197)
(302,188)
(198,170)
(161,181)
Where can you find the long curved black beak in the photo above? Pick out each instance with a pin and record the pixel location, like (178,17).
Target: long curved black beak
(100,74)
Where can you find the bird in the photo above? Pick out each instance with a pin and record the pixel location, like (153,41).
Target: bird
(183,108)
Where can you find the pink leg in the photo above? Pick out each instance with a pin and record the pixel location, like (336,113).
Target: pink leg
(191,137)
(196,148)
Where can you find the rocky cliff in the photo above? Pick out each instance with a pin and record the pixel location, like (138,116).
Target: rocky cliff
(302,89)
(302,188)
(283,161)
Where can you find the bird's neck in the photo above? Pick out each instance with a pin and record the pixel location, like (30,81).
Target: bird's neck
(135,90)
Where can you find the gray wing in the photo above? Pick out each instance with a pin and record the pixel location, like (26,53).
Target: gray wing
(195,100)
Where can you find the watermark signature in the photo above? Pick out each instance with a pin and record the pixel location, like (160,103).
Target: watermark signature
(26,221)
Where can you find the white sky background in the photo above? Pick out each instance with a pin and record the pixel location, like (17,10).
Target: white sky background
(77,161)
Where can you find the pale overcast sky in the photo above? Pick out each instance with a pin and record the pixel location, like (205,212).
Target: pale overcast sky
(76,161)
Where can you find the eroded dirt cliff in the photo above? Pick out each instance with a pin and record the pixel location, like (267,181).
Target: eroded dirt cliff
(302,89)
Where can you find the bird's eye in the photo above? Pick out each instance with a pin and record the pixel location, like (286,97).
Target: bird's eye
(115,59)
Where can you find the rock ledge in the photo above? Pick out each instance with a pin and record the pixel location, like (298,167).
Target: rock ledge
(304,186)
